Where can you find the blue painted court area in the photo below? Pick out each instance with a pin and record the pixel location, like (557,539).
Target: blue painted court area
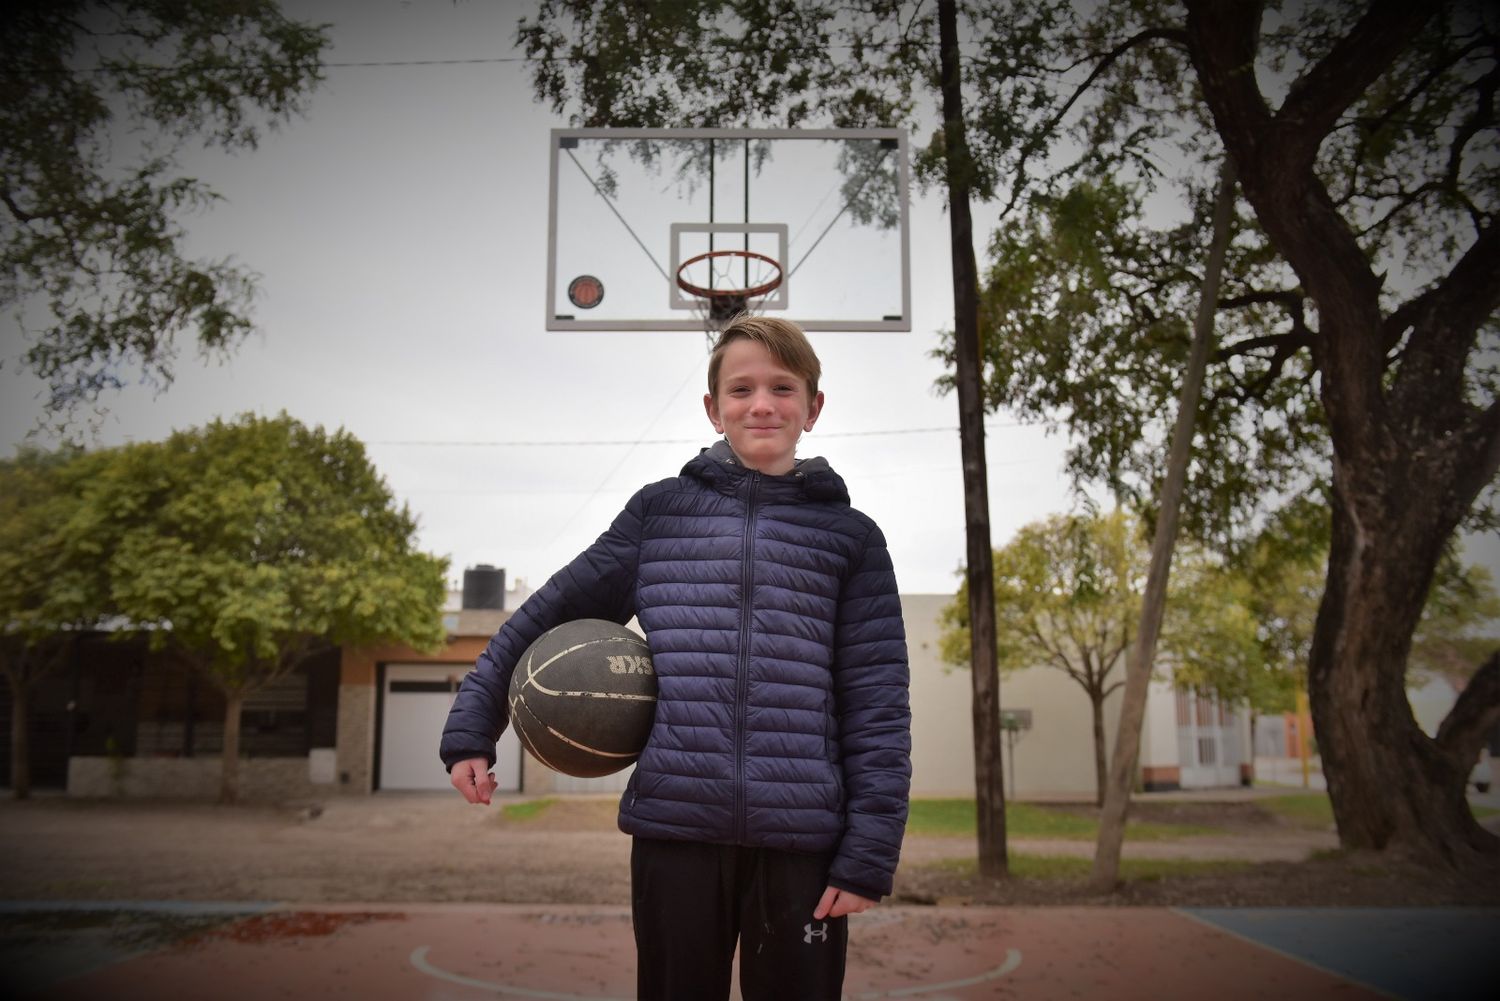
(45,942)
(1415,954)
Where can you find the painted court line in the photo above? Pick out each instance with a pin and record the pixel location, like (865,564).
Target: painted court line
(420,961)
(1012,960)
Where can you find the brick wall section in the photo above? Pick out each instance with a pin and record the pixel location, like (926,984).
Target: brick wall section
(1161,778)
(356,740)
(261,779)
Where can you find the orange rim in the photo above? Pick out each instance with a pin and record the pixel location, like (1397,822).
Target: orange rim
(728,293)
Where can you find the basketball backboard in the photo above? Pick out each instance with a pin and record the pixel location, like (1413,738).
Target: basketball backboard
(812,222)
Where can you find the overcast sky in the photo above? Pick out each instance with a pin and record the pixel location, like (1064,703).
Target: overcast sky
(400,234)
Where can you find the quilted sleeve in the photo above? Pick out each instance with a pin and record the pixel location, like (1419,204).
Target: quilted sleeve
(874,714)
(598,584)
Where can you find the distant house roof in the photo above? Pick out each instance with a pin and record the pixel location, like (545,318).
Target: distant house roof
(474,621)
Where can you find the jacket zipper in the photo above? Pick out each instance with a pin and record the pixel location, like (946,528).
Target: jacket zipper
(742,676)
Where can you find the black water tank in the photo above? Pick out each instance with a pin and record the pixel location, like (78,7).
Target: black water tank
(484,587)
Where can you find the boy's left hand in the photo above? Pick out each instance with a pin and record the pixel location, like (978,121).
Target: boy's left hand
(836,903)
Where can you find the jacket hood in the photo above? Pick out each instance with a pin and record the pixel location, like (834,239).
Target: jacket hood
(811,479)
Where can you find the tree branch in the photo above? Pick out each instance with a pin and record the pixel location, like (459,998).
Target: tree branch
(1281,342)
(1464,730)
(10,203)
(1323,93)
(1445,319)
(1290,298)
(1040,138)
(1487,460)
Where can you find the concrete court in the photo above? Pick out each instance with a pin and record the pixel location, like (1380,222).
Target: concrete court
(459,952)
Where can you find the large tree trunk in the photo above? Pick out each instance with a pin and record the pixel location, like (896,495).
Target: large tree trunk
(989,781)
(1392,786)
(20,737)
(229,787)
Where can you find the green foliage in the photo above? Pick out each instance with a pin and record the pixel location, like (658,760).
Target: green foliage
(1027,820)
(1460,623)
(1224,636)
(99,101)
(42,590)
(1067,595)
(1085,314)
(249,545)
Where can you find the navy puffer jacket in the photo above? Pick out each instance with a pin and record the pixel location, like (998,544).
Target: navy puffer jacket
(770,606)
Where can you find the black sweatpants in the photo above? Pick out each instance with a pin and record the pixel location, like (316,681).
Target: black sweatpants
(691,902)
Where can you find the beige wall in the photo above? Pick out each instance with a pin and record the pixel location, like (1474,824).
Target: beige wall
(1055,757)
(942,759)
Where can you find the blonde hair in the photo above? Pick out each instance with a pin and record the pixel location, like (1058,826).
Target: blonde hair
(782,338)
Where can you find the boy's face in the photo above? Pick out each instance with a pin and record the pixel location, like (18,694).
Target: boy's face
(761,407)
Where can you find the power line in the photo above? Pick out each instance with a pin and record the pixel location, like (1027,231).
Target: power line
(592,442)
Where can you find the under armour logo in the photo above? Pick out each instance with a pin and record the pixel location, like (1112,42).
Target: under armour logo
(821,932)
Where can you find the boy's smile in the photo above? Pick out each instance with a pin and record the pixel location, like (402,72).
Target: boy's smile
(761,407)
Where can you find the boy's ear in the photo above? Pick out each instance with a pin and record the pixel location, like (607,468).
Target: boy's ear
(711,407)
(813,411)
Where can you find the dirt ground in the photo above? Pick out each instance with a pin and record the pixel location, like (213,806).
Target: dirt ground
(393,848)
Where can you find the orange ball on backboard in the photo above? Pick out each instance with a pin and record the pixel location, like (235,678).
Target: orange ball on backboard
(583,697)
(585,291)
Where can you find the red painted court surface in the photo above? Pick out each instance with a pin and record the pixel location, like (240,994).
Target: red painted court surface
(458,952)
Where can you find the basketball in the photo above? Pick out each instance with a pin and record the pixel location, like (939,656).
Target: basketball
(583,696)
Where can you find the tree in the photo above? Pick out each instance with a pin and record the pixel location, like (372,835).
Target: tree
(1067,596)
(44,595)
(1405,381)
(798,63)
(1363,142)
(249,546)
(97,102)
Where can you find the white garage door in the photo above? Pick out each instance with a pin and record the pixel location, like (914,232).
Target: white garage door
(416,699)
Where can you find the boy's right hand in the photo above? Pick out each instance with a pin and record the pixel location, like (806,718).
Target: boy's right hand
(473,779)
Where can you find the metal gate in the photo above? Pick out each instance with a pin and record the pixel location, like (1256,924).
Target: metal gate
(1208,749)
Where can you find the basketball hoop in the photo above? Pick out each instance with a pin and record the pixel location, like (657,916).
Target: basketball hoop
(719,294)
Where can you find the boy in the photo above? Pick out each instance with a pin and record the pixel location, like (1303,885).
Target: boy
(771,797)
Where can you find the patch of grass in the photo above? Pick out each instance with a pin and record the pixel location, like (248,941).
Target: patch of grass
(1310,810)
(1028,820)
(1313,810)
(526,809)
(1066,867)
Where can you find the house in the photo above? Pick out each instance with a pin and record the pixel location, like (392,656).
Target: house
(119,719)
